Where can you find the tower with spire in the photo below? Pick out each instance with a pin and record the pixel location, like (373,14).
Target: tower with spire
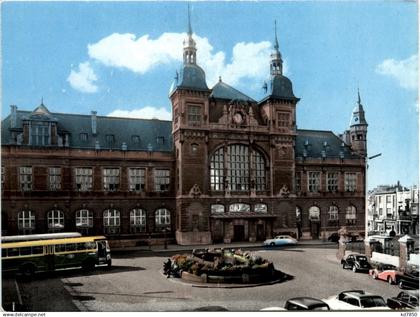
(358,128)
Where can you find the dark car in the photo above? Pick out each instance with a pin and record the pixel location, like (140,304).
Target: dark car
(409,280)
(356,262)
(334,237)
(306,303)
(405,300)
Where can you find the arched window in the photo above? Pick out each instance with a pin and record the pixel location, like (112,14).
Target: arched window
(162,218)
(217,209)
(245,168)
(84,221)
(55,220)
(137,220)
(333,215)
(111,221)
(351,215)
(239,208)
(26,221)
(262,208)
(314,213)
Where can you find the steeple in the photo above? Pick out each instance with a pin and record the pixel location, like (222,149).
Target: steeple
(358,115)
(276,64)
(190,51)
(358,128)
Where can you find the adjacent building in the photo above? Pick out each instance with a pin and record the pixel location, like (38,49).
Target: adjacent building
(226,168)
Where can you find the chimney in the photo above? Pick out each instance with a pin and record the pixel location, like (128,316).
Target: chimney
(13,116)
(94,121)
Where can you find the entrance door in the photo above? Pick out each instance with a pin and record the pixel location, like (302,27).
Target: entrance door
(260,232)
(315,230)
(49,255)
(238,233)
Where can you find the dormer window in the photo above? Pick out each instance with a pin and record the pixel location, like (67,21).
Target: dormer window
(110,138)
(135,139)
(160,140)
(83,137)
(40,133)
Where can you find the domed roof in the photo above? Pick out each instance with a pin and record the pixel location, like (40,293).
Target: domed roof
(281,87)
(223,91)
(192,76)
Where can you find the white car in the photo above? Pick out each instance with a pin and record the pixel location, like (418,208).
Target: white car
(356,300)
(280,240)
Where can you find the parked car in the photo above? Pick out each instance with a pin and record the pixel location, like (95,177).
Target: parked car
(405,300)
(386,272)
(306,303)
(356,300)
(409,280)
(334,237)
(280,240)
(356,262)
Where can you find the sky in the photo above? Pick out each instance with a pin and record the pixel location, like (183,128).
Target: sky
(120,59)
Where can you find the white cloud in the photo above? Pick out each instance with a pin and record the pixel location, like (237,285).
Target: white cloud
(142,54)
(83,79)
(404,71)
(147,112)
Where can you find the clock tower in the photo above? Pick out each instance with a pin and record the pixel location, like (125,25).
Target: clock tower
(358,129)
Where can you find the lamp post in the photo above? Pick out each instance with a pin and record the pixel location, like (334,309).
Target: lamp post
(366,191)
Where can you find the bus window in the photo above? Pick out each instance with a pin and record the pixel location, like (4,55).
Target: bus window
(71,247)
(90,245)
(3,253)
(25,251)
(13,252)
(37,250)
(60,248)
(81,246)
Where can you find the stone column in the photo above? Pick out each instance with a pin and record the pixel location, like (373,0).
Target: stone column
(406,245)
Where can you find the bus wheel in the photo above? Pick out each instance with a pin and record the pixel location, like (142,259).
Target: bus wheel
(27,271)
(88,265)
(109,263)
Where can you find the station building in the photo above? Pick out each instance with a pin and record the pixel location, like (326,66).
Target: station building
(226,168)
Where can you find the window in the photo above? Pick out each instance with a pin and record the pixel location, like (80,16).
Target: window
(388,199)
(110,139)
(350,182)
(54,178)
(137,220)
(55,220)
(111,221)
(25,178)
(259,171)
(136,179)
(162,180)
(3,174)
(388,212)
(84,179)
(111,179)
(162,218)
(216,170)
(314,182)
(381,211)
(351,215)
(135,139)
(83,137)
(314,213)
(194,148)
(238,168)
(333,214)
(239,208)
(40,133)
(84,221)
(283,119)
(26,221)
(160,140)
(332,182)
(260,208)
(217,209)
(194,114)
(297,182)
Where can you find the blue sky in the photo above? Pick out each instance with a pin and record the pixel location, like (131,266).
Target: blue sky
(120,58)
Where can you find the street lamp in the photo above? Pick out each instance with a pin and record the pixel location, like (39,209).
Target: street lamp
(366,191)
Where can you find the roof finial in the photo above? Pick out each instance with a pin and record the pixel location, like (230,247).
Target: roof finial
(42,100)
(276,42)
(220,79)
(359,101)
(189,21)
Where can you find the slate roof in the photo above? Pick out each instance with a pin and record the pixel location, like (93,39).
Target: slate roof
(223,91)
(123,129)
(315,143)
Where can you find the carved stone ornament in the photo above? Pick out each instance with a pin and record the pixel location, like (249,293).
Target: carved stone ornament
(284,191)
(195,191)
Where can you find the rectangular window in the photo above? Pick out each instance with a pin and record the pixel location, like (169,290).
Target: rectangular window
(84,178)
(350,182)
(136,179)
(314,181)
(135,139)
(162,179)
(217,170)
(283,119)
(388,199)
(389,212)
(194,114)
(54,178)
(111,178)
(40,133)
(83,136)
(380,211)
(297,182)
(110,139)
(160,140)
(332,182)
(25,178)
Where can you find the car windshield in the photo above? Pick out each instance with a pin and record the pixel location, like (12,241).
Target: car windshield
(361,258)
(372,301)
